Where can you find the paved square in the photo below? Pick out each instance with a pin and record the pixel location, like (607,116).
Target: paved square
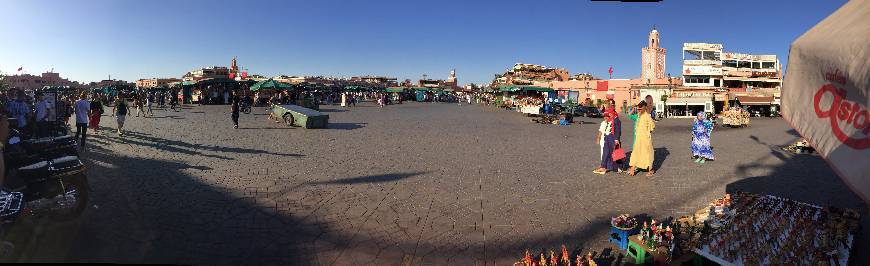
(417,183)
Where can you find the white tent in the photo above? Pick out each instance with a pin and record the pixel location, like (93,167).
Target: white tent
(826,91)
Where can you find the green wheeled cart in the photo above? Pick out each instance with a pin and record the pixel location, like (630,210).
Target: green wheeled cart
(294,115)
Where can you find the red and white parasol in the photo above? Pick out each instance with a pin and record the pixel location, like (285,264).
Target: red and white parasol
(826,92)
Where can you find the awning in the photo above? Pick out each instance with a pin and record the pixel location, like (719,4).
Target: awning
(395,89)
(749,100)
(536,88)
(508,88)
(689,101)
(270,84)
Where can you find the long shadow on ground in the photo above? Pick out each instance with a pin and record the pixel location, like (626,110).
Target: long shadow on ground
(164,215)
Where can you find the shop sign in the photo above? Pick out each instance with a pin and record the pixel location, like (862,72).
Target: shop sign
(702,70)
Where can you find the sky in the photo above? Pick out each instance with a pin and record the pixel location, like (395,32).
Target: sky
(133,39)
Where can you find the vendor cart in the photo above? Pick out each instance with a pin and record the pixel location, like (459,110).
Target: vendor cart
(735,117)
(294,115)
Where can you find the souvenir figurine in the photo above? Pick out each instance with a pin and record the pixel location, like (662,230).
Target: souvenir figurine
(566,259)
(644,233)
(527,259)
(553,260)
(589,260)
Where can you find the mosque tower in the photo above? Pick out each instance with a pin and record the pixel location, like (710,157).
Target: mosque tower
(653,60)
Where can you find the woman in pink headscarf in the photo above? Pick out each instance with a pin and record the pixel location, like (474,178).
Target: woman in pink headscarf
(612,134)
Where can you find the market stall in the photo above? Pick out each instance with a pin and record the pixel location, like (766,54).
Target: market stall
(528,100)
(266,88)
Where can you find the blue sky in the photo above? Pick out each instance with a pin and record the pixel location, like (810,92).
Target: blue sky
(128,39)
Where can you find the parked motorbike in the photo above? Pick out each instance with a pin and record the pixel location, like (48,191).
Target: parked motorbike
(49,174)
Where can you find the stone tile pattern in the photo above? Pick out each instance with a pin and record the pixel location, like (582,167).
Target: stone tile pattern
(407,184)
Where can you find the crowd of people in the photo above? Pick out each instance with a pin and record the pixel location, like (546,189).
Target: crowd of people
(32,114)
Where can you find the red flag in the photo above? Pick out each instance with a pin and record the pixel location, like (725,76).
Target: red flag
(244,74)
(232,75)
(610,71)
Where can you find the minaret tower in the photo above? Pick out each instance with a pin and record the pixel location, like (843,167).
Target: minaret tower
(653,58)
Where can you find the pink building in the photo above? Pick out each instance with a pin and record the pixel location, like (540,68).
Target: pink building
(30,82)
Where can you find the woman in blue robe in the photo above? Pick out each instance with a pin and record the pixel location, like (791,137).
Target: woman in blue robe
(701,130)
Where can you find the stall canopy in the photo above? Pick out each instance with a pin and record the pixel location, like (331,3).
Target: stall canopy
(515,88)
(748,100)
(827,88)
(395,89)
(270,84)
(508,88)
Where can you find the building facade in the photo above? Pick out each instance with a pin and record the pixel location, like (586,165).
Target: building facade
(30,82)
(653,58)
(706,65)
(155,82)
(527,74)
(207,73)
(735,79)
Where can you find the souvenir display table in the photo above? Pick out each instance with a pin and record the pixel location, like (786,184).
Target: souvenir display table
(749,229)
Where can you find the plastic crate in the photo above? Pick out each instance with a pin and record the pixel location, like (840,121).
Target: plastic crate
(638,254)
(620,236)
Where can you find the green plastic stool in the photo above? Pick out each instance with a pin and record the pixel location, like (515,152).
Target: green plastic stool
(638,253)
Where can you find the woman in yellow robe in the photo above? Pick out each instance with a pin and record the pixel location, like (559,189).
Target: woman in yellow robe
(642,152)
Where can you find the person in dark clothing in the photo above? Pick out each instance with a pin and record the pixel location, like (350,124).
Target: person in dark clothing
(120,113)
(234,112)
(95,114)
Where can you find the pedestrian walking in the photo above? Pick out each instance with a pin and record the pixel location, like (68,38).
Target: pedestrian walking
(234,112)
(82,109)
(140,108)
(42,110)
(96,113)
(612,135)
(149,100)
(120,113)
(173,101)
(642,152)
(701,130)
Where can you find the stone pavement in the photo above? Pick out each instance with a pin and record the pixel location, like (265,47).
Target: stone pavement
(417,183)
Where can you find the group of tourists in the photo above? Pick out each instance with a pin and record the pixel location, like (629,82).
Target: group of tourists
(642,156)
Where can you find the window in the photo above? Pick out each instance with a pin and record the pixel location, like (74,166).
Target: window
(756,65)
(729,63)
(744,64)
(768,65)
(710,55)
(692,55)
